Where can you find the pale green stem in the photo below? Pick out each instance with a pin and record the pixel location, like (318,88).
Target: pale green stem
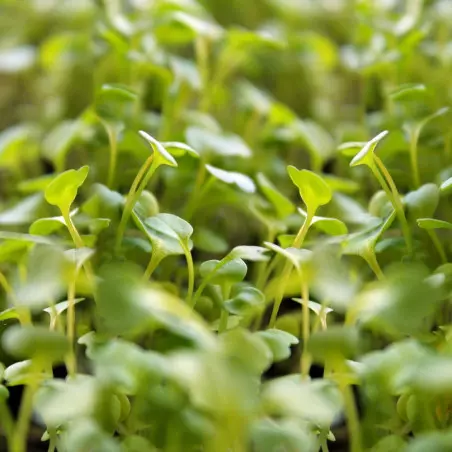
(71,360)
(196,192)
(20,435)
(414,137)
(354,429)
(204,283)
(79,244)
(133,196)
(372,261)
(113,155)
(191,273)
(439,247)
(262,266)
(153,264)
(222,327)
(7,424)
(285,274)
(397,203)
(305,358)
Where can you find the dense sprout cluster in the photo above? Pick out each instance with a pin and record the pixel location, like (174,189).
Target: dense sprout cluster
(226,227)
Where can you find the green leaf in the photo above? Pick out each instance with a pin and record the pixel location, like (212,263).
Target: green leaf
(46,278)
(113,101)
(127,305)
(60,307)
(314,191)
(23,372)
(217,272)
(247,301)
(23,212)
(61,138)
(10,313)
(440,441)
(317,140)
(432,223)
(359,243)
(242,181)
(209,241)
(446,186)
(408,92)
(339,184)
(422,202)
(268,435)
(330,226)
(317,402)
(47,226)
(215,142)
(279,343)
(179,149)
(37,342)
(248,349)
(383,306)
(365,155)
(282,205)
(161,155)
(62,191)
(298,257)
(350,148)
(249,253)
(337,342)
(168,233)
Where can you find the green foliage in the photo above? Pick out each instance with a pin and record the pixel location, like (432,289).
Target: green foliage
(201,200)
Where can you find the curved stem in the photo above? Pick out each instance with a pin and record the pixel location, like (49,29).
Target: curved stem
(438,245)
(133,196)
(191,273)
(113,155)
(20,435)
(222,327)
(354,428)
(372,261)
(285,274)
(305,358)
(153,264)
(71,360)
(397,203)
(79,244)
(414,138)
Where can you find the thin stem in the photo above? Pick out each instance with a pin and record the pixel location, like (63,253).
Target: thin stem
(438,245)
(285,274)
(73,230)
(71,361)
(7,424)
(79,244)
(261,270)
(222,327)
(223,321)
(191,273)
(5,284)
(305,358)
(130,201)
(323,441)
(372,261)
(191,205)
(112,139)
(153,264)
(397,203)
(352,420)
(19,439)
(204,283)
(414,138)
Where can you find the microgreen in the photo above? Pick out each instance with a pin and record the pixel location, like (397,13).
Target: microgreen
(225,226)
